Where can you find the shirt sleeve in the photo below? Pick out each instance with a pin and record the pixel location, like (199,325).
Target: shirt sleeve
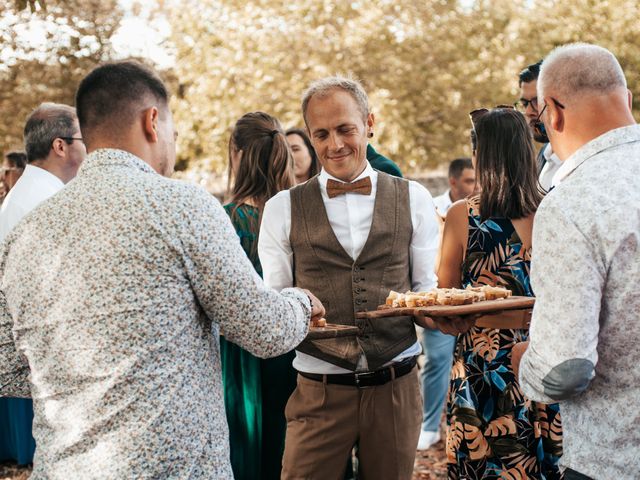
(274,247)
(425,238)
(14,369)
(567,277)
(251,315)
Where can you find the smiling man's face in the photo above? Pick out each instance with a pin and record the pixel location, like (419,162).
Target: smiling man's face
(338,131)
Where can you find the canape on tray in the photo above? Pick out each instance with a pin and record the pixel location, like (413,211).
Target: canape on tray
(446,296)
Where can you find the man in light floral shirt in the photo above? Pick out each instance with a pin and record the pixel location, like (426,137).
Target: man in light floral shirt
(113,294)
(583,347)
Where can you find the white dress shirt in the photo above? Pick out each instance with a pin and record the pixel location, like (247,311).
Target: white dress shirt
(551,166)
(33,187)
(443,203)
(350,216)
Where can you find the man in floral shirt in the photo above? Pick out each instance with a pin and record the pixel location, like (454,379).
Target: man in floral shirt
(113,294)
(583,349)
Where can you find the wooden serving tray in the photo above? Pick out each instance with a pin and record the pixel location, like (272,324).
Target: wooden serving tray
(488,307)
(332,331)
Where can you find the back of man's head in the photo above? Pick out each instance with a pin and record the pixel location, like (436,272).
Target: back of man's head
(112,96)
(529,74)
(580,69)
(46,123)
(457,166)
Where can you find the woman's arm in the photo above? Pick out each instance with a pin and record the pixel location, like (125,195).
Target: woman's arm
(454,246)
(453,249)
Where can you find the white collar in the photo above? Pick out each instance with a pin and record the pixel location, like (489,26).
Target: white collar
(33,171)
(550,156)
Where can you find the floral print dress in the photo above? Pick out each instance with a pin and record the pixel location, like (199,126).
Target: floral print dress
(494,432)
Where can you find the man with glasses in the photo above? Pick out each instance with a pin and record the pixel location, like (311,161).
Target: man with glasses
(583,346)
(528,105)
(55,151)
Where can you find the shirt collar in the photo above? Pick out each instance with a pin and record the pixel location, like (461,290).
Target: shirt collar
(367,172)
(112,156)
(550,156)
(32,171)
(610,139)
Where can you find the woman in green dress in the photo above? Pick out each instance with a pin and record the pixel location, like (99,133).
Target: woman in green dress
(256,390)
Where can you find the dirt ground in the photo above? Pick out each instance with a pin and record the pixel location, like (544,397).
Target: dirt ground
(430,465)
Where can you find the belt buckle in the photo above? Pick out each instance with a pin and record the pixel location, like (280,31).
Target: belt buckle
(358,376)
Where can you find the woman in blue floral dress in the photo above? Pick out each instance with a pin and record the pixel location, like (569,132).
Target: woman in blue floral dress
(494,431)
(256,390)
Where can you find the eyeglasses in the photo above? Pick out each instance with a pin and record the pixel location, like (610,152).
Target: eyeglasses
(70,140)
(481,112)
(522,104)
(538,125)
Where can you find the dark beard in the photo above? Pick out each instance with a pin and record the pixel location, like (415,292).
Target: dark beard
(538,136)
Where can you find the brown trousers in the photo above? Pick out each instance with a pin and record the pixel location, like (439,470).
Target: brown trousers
(324,422)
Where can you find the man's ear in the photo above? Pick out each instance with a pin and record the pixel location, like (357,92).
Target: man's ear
(555,115)
(371,120)
(150,118)
(630,99)
(59,147)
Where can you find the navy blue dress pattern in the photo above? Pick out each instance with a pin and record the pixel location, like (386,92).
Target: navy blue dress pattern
(494,431)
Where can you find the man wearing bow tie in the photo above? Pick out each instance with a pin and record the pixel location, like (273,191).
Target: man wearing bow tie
(351,234)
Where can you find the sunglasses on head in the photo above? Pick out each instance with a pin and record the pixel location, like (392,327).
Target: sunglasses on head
(481,112)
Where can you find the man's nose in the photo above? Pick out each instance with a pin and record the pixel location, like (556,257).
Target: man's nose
(335,141)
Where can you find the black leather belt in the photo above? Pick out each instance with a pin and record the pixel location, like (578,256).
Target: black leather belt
(366,379)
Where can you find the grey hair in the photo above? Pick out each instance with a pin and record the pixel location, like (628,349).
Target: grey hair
(578,69)
(324,86)
(46,123)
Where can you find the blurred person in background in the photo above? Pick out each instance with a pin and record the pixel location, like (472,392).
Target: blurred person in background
(462,183)
(494,431)
(256,390)
(305,160)
(55,150)
(13,165)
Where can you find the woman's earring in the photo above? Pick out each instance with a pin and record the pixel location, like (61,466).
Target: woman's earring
(370,135)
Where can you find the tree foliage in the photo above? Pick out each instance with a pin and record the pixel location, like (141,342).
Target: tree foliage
(424,64)
(77,37)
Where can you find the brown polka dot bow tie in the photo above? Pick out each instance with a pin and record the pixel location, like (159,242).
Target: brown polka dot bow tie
(362,186)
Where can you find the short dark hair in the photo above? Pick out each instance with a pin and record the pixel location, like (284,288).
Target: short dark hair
(17,159)
(312,151)
(109,98)
(530,73)
(506,165)
(46,123)
(457,166)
